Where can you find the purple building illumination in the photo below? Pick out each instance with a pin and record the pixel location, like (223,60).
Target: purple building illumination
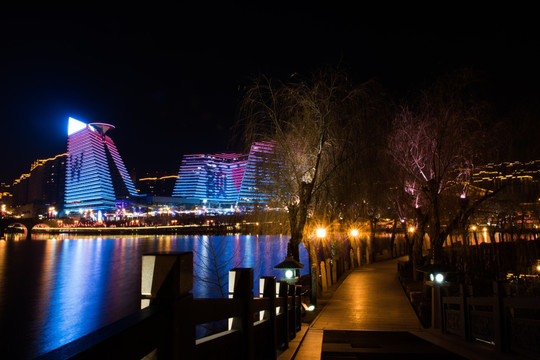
(96,177)
(212,178)
(229,178)
(256,189)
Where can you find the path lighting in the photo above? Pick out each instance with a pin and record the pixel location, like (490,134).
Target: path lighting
(354,232)
(473,228)
(537,267)
(320,233)
(412,229)
(290,269)
(438,277)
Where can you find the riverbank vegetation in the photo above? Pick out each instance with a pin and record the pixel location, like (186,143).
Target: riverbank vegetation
(355,159)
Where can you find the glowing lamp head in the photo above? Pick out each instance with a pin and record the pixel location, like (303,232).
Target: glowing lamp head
(411,229)
(354,232)
(320,232)
(289,268)
(438,278)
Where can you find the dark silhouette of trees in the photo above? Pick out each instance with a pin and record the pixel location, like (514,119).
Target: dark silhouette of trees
(435,144)
(313,123)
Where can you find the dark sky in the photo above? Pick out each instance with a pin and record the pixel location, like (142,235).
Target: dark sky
(168,78)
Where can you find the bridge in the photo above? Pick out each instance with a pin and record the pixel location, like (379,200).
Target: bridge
(26,224)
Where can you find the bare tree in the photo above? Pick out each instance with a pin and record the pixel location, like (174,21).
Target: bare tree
(214,262)
(309,121)
(435,145)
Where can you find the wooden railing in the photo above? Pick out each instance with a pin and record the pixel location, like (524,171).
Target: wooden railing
(164,328)
(511,324)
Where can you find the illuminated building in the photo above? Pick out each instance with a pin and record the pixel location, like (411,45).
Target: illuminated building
(96,177)
(41,188)
(258,180)
(518,180)
(6,198)
(211,178)
(157,185)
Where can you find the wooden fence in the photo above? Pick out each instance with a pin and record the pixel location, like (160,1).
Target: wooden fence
(511,324)
(164,328)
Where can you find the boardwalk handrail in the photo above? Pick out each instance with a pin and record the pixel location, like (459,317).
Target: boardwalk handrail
(502,321)
(259,328)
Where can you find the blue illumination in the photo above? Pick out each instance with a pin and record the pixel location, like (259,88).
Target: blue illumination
(75,125)
(95,173)
(258,177)
(210,178)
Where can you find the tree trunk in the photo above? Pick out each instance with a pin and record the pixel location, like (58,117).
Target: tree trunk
(297,218)
(393,240)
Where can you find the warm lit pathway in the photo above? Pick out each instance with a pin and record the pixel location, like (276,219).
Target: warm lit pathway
(370,298)
(368,317)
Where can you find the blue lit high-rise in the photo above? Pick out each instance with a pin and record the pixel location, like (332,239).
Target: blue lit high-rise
(96,177)
(258,181)
(215,178)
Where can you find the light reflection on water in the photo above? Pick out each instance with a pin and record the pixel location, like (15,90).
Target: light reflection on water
(56,289)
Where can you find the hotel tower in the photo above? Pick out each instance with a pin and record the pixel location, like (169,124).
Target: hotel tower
(96,177)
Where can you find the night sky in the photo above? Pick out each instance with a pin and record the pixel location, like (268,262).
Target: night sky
(170,78)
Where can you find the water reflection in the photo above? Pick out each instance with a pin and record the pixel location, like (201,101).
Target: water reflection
(56,289)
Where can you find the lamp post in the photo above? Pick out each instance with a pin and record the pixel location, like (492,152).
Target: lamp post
(354,244)
(320,233)
(438,277)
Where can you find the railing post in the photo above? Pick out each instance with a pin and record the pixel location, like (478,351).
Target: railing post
(241,285)
(501,339)
(268,286)
(292,311)
(463,313)
(284,293)
(167,279)
(314,284)
(298,309)
(436,308)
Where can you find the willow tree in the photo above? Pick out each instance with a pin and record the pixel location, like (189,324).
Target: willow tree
(435,143)
(308,120)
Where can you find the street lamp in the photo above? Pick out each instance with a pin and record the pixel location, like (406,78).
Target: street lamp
(320,233)
(438,274)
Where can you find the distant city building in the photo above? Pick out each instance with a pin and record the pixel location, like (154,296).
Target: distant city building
(157,185)
(41,191)
(6,199)
(519,180)
(213,179)
(257,184)
(96,177)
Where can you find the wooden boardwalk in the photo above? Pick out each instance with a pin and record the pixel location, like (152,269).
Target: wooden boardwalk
(370,317)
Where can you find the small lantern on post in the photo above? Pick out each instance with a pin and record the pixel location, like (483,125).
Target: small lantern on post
(290,269)
(438,277)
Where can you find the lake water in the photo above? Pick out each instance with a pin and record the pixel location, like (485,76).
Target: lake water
(54,289)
